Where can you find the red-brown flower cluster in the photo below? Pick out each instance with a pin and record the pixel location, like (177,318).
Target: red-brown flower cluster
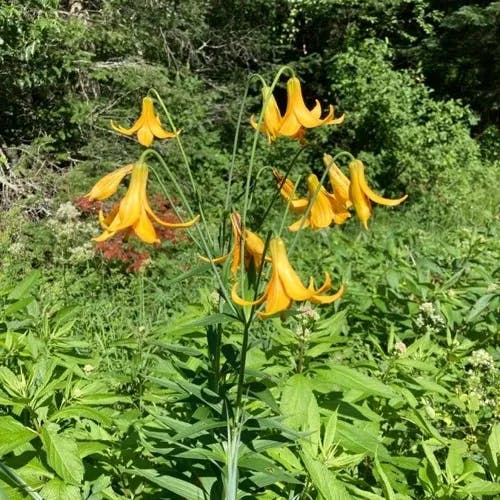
(122,249)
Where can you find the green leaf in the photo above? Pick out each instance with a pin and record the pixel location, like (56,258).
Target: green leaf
(349,378)
(300,408)
(358,440)
(186,490)
(433,463)
(17,306)
(62,454)
(3,494)
(13,434)
(56,489)
(386,485)
(493,449)
(454,460)
(478,308)
(286,458)
(25,286)
(480,487)
(78,412)
(324,480)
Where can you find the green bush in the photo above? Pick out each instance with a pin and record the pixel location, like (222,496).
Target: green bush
(410,141)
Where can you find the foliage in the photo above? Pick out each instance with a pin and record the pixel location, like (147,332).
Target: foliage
(122,367)
(409,139)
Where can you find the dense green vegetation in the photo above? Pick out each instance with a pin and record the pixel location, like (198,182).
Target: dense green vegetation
(122,363)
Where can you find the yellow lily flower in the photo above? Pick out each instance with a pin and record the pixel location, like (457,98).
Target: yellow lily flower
(361,194)
(339,182)
(324,210)
(133,213)
(297,117)
(147,126)
(287,187)
(108,185)
(285,286)
(253,251)
(272,118)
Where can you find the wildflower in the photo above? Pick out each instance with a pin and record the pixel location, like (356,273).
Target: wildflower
(133,213)
(324,208)
(287,191)
(339,182)
(253,247)
(400,347)
(147,126)
(285,286)
(360,194)
(297,115)
(271,119)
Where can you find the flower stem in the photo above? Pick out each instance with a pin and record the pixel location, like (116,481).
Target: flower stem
(243,360)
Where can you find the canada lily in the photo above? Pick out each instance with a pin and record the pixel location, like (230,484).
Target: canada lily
(297,115)
(253,247)
(339,182)
(360,194)
(133,213)
(287,192)
(323,208)
(147,126)
(285,286)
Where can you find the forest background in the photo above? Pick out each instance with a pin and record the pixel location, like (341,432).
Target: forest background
(102,354)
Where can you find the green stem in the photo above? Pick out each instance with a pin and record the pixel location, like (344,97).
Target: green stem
(235,147)
(202,242)
(19,481)
(277,192)
(194,186)
(256,136)
(243,360)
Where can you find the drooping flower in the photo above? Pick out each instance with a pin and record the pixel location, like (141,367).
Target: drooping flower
(285,286)
(339,182)
(297,117)
(148,125)
(271,119)
(253,247)
(361,194)
(323,208)
(287,192)
(133,213)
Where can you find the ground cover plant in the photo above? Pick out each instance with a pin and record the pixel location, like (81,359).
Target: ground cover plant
(247,295)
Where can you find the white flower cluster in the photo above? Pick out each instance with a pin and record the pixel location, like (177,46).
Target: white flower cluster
(16,249)
(67,212)
(482,359)
(429,318)
(308,313)
(82,253)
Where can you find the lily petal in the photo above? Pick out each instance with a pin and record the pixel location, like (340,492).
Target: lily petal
(108,185)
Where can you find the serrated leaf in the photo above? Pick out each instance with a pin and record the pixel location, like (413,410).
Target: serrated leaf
(56,489)
(324,480)
(386,484)
(301,410)
(13,434)
(358,440)
(62,454)
(286,458)
(186,490)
